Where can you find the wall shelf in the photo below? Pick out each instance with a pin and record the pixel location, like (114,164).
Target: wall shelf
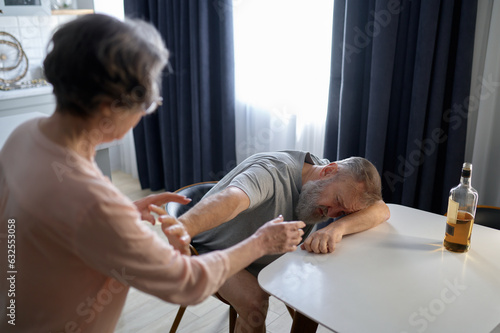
(72,11)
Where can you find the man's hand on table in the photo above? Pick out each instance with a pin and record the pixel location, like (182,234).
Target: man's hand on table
(323,240)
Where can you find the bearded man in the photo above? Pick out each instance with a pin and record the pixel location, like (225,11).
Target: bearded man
(297,186)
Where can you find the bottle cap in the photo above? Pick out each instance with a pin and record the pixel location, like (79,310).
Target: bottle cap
(466,169)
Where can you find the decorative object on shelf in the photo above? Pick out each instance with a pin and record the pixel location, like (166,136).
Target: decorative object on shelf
(35,83)
(61,4)
(72,11)
(13,60)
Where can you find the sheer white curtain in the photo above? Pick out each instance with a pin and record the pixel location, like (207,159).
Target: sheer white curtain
(483,138)
(282,73)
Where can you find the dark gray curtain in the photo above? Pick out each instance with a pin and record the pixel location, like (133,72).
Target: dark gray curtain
(191,138)
(400,80)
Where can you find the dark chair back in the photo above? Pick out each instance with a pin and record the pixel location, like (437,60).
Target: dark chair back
(488,216)
(195,192)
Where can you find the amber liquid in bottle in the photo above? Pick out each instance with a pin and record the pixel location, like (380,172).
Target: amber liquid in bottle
(462,205)
(457,237)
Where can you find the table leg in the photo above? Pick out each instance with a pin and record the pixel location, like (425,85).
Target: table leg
(302,324)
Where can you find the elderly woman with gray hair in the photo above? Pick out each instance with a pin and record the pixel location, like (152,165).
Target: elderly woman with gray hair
(79,243)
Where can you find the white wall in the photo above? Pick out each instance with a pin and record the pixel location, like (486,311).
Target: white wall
(33,32)
(483,141)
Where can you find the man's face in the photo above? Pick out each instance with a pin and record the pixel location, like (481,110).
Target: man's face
(327,198)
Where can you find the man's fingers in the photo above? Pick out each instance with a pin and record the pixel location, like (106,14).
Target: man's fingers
(315,245)
(331,245)
(323,246)
(318,244)
(306,245)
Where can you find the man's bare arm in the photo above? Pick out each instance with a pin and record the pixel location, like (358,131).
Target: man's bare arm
(274,237)
(214,210)
(324,240)
(364,219)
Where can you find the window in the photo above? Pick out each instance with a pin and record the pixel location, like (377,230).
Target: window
(282,69)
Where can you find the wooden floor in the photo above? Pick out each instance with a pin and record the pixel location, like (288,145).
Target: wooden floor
(144,313)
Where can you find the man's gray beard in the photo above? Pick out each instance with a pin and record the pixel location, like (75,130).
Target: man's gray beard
(307,205)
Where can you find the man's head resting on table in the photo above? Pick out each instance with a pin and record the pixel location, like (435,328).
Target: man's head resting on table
(344,187)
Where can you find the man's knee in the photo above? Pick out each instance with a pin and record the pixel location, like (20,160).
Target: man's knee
(254,299)
(244,293)
(253,312)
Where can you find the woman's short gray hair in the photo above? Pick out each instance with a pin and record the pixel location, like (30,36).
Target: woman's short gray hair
(360,170)
(97,58)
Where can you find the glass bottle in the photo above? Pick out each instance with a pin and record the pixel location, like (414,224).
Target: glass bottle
(462,205)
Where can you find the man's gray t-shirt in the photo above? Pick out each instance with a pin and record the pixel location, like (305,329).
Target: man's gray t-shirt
(273,182)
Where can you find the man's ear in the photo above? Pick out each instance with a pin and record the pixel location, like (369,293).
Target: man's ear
(329,170)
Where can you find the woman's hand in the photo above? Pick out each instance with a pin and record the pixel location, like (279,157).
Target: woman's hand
(158,200)
(277,236)
(173,229)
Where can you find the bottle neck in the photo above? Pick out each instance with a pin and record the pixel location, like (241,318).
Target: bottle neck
(465,181)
